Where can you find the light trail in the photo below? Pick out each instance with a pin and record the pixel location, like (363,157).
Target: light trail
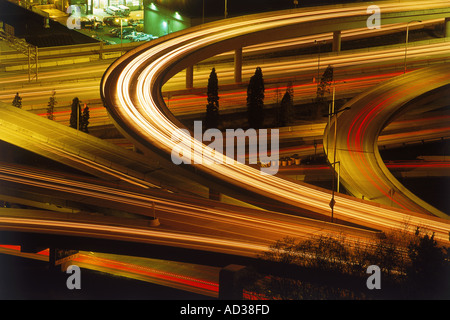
(358,131)
(177,212)
(137,270)
(131,89)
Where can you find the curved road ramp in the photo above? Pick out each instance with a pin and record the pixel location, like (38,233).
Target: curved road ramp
(359,124)
(131,91)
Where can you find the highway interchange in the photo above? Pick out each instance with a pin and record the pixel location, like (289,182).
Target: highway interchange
(132,91)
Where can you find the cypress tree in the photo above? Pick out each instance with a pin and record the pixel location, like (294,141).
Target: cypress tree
(322,89)
(255,100)
(212,108)
(75,115)
(17,102)
(85,120)
(51,106)
(287,107)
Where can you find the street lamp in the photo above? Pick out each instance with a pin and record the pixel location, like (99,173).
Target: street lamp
(319,43)
(226,9)
(335,114)
(121,32)
(406,42)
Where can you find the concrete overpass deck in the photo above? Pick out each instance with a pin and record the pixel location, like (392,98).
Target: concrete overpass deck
(84,152)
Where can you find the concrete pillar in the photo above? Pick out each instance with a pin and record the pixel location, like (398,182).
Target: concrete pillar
(336,41)
(61,258)
(447,27)
(238,65)
(214,195)
(101,51)
(190,77)
(230,286)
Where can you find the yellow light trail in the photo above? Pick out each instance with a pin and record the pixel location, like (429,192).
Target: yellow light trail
(137,101)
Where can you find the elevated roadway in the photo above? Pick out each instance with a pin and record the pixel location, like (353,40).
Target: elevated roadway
(131,90)
(362,170)
(198,225)
(163,61)
(87,153)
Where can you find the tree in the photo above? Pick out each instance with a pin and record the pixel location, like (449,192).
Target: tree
(75,115)
(212,108)
(286,112)
(412,266)
(51,106)
(85,120)
(255,100)
(17,102)
(323,88)
(429,271)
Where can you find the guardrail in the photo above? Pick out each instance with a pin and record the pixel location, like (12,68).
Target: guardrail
(74,50)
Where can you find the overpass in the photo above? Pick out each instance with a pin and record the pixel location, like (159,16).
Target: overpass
(356,131)
(324,20)
(131,90)
(183,222)
(92,155)
(387,217)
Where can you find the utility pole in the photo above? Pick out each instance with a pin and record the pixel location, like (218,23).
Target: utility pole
(226,9)
(406,42)
(319,43)
(335,114)
(203,12)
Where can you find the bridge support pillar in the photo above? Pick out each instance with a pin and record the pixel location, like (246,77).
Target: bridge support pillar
(230,284)
(336,41)
(100,53)
(61,258)
(238,65)
(214,195)
(447,27)
(190,77)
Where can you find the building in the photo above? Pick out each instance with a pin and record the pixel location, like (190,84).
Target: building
(160,21)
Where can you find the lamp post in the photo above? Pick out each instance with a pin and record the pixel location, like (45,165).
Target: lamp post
(406,42)
(335,114)
(226,9)
(121,32)
(319,43)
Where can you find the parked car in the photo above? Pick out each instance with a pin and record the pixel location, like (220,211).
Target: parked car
(115,22)
(131,35)
(113,10)
(109,21)
(124,10)
(96,22)
(142,37)
(125,31)
(136,22)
